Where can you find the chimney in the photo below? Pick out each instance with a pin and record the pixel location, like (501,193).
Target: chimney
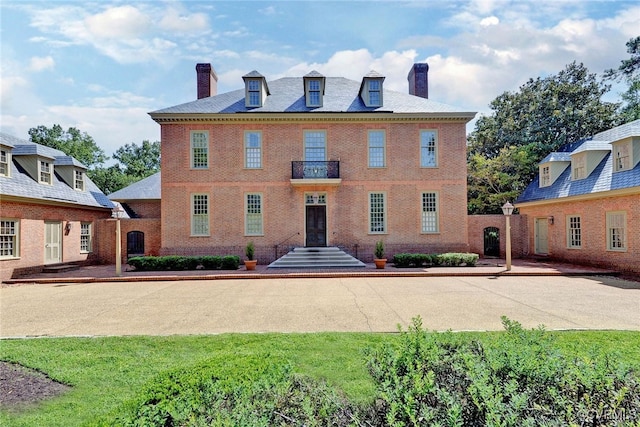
(419,80)
(207,80)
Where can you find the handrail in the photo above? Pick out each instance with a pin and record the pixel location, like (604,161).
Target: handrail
(278,244)
(315,169)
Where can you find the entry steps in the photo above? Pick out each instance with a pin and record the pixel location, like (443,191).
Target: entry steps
(59,268)
(329,257)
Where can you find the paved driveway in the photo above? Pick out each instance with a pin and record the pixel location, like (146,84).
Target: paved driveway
(365,304)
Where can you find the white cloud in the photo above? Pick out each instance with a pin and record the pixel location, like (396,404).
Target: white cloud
(488,21)
(38,64)
(173,20)
(123,22)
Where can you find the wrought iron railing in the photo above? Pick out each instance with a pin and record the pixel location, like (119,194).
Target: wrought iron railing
(315,169)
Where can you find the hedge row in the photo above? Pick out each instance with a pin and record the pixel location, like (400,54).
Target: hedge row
(175,262)
(451,259)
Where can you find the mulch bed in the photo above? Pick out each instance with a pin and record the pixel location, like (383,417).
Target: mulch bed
(21,386)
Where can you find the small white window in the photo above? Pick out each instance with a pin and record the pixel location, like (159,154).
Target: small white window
(9,238)
(428,149)
(574,232)
(199,215)
(45,172)
(622,157)
(5,159)
(617,231)
(377,213)
(545,176)
(78,180)
(199,149)
(253,214)
(253,150)
(376,149)
(85,237)
(430,213)
(578,167)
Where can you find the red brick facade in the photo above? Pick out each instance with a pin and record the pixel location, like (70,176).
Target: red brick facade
(519,234)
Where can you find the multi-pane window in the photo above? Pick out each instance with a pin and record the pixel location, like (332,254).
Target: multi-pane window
(314,93)
(428,149)
(85,237)
(199,150)
(578,168)
(8,238)
(376,149)
(374,92)
(616,231)
(429,212)
(545,177)
(253,150)
(45,172)
(315,146)
(377,217)
(574,232)
(253,214)
(4,162)
(199,215)
(622,157)
(78,179)
(253,88)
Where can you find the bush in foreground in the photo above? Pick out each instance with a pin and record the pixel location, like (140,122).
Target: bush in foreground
(180,263)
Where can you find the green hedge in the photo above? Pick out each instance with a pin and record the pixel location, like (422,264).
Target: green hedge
(180,263)
(452,259)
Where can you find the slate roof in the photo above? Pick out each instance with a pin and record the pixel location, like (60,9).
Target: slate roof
(148,188)
(20,184)
(600,180)
(287,96)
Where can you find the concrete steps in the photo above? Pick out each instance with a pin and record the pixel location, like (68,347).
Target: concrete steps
(330,257)
(59,268)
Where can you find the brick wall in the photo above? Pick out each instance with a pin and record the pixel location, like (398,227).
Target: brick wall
(226,182)
(145,208)
(519,234)
(593,226)
(32,218)
(107,235)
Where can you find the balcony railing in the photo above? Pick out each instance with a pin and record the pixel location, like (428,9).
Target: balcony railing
(315,170)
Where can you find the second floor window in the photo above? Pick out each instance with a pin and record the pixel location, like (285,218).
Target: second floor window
(253,150)
(428,149)
(45,172)
(199,150)
(376,149)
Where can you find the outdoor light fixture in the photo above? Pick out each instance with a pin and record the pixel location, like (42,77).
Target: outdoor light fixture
(117,214)
(550,219)
(507,210)
(67,228)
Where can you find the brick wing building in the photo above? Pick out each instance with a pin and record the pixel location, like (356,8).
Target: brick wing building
(313,161)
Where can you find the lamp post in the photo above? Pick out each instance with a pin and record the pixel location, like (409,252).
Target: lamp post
(507,210)
(117,213)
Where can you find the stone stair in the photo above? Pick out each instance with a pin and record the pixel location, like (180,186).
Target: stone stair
(329,257)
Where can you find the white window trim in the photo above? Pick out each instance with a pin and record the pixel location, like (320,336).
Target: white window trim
(78,184)
(207,216)
(246,149)
(304,147)
(90,237)
(437,212)
(436,149)
(570,244)
(6,163)
(384,212)
(48,173)
(16,241)
(192,148)
(618,164)
(608,227)
(384,148)
(545,176)
(246,215)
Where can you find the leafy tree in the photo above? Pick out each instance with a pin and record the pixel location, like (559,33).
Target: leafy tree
(629,70)
(139,161)
(111,179)
(73,142)
(546,113)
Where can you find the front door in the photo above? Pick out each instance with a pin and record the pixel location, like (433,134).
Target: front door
(316,226)
(542,236)
(52,242)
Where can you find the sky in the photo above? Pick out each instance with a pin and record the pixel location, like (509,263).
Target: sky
(102,66)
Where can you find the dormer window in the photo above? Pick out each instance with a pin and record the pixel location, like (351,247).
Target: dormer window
(545,176)
(256,89)
(5,161)
(78,181)
(371,89)
(578,168)
(314,89)
(45,172)
(622,157)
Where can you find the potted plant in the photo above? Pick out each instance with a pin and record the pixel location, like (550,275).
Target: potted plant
(249,251)
(378,254)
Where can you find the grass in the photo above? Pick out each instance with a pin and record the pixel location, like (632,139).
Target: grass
(107,372)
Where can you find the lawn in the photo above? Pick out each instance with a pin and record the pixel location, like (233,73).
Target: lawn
(107,372)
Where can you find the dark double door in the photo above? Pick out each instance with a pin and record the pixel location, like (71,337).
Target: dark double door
(316,232)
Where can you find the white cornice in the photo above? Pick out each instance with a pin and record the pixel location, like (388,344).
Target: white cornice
(630,191)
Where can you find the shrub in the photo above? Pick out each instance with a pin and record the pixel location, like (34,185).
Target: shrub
(230,262)
(211,262)
(179,263)
(379,250)
(404,260)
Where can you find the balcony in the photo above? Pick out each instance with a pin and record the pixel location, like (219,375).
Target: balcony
(315,173)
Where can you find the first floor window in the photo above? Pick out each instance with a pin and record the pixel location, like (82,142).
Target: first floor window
(377,217)
(616,231)
(428,149)
(429,212)
(8,238)
(253,215)
(199,215)
(574,232)
(199,150)
(85,237)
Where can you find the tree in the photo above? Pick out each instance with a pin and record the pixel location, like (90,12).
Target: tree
(139,161)
(629,70)
(74,143)
(525,126)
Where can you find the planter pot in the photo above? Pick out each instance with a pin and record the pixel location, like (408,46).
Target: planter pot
(250,264)
(380,263)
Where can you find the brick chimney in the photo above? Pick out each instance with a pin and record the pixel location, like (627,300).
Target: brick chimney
(419,80)
(207,80)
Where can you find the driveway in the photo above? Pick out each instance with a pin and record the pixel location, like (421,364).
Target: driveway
(354,304)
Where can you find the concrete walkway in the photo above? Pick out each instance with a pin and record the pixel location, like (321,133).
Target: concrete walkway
(364,303)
